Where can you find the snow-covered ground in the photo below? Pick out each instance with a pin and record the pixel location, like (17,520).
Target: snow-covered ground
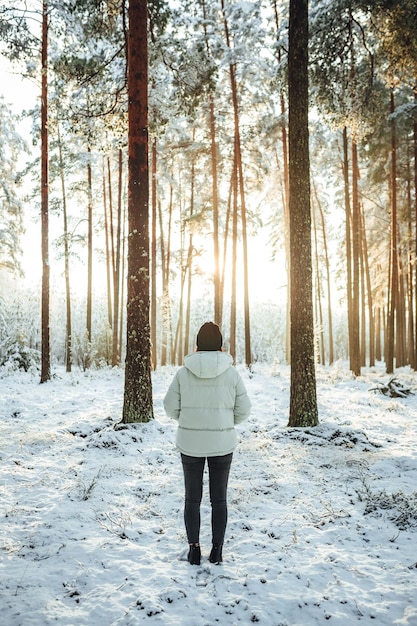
(322,522)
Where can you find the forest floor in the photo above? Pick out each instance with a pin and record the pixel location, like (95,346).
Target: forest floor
(322,521)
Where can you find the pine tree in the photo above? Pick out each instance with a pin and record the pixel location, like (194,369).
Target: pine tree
(46,350)
(137,405)
(303,402)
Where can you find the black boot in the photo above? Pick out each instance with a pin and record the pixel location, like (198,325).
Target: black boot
(194,554)
(216,555)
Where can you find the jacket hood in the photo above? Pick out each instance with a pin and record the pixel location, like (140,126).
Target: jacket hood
(208,364)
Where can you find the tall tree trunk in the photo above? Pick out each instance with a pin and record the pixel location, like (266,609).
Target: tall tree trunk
(183,327)
(287,233)
(218,304)
(348,237)
(240,178)
(112,250)
(188,304)
(355,355)
(46,349)
(392,304)
(400,336)
(362,298)
(122,282)
(108,257)
(303,400)
(387,308)
(415,219)
(319,308)
(371,320)
(246,311)
(218,301)
(137,406)
(111,219)
(410,272)
(153,257)
(165,272)
(228,220)
(116,275)
(378,350)
(178,342)
(68,338)
(89,259)
(284,140)
(327,264)
(165,297)
(362,308)
(233,307)
(284,200)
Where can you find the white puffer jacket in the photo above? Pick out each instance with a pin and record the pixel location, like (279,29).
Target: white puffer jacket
(207,397)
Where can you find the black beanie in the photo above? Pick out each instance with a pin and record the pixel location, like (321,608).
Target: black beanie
(209,337)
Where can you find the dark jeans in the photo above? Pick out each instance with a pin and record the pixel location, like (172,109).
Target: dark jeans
(219,468)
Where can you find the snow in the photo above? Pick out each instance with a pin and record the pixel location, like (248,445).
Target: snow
(322,521)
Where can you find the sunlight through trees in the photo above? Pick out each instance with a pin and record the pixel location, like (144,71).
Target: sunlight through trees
(218,195)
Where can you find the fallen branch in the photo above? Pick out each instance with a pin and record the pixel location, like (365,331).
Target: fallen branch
(393,388)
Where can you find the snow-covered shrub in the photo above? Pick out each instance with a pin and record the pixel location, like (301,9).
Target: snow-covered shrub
(399,508)
(83,352)
(18,356)
(19,336)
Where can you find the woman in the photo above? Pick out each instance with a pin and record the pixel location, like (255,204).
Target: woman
(207,397)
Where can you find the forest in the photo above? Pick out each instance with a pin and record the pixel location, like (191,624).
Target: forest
(219,179)
(169,162)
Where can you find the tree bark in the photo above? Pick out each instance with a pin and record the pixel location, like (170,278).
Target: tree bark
(348,237)
(233,304)
(400,331)
(68,337)
(138,405)
(45,315)
(218,300)
(327,263)
(410,272)
(218,304)
(392,304)
(240,180)
(354,349)
(415,220)
(116,274)
(153,257)
(122,283)
(89,261)
(362,298)
(183,326)
(378,350)
(188,304)
(371,320)
(108,258)
(303,401)
(284,140)
(165,272)
(319,333)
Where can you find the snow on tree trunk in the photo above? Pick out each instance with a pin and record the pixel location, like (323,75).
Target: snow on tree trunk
(46,351)
(138,386)
(303,402)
